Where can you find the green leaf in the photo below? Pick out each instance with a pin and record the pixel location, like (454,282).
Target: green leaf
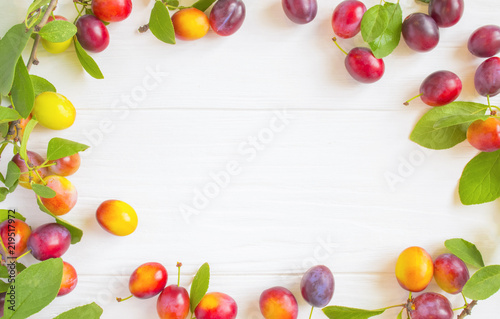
(173,3)
(13,173)
(59,148)
(87,62)
(37,4)
(3,193)
(58,31)
(41,85)
(8,115)
(35,288)
(20,267)
(23,95)
(4,286)
(459,119)
(43,191)
(428,136)
(483,284)
(466,251)
(160,23)
(203,5)
(11,47)
(6,214)
(76,233)
(400,314)
(4,127)
(374,22)
(339,312)
(385,43)
(199,286)
(26,135)
(90,311)
(480,180)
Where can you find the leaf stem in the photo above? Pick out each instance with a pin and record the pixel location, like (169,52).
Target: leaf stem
(32,60)
(310,315)
(338,46)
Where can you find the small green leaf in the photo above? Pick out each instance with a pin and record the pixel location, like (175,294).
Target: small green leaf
(3,193)
(34,289)
(59,148)
(20,267)
(87,62)
(203,5)
(199,286)
(385,43)
(13,173)
(11,47)
(90,311)
(8,115)
(26,135)
(58,31)
(76,233)
(374,22)
(43,191)
(23,95)
(160,23)
(6,214)
(480,180)
(4,272)
(339,312)
(41,85)
(173,3)
(483,284)
(428,136)
(37,4)
(459,119)
(3,286)
(400,314)
(466,251)
(4,127)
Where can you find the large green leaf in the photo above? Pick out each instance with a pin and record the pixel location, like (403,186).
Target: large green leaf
(385,43)
(35,288)
(87,62)
(426,134)
(483,284)
(480,180)
(23,94)
(466,251)
(160,23)
(58,31)
(375,21)
(41,85)
(60,147)
(11,47)
(199,286)
(90,311)
(203,5)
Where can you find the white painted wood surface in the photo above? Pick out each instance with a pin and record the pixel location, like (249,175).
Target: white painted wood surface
(316,190)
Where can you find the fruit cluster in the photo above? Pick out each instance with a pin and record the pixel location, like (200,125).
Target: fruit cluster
(316,287)
(415,269)
(174,302)
(47,241)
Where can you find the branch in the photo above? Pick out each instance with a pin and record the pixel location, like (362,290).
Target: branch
(33,60)
(467,310)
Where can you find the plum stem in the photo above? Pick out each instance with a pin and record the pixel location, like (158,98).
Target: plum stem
(389,307)
(33,60)
(123,299)
(338,46)
(29,251)
(310,315)
(408,101)
(179,265)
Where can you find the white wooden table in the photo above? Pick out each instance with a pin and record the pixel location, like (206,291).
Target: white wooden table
(312,190)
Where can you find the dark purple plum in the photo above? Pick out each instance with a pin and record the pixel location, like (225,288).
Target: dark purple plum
(487,77)
(420,32)
(446,13)
(346,18)
(317,286)
(49,241)
(92,33)
(485,41)
(440,88)
(300,11)
(431,305)
(227,16)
